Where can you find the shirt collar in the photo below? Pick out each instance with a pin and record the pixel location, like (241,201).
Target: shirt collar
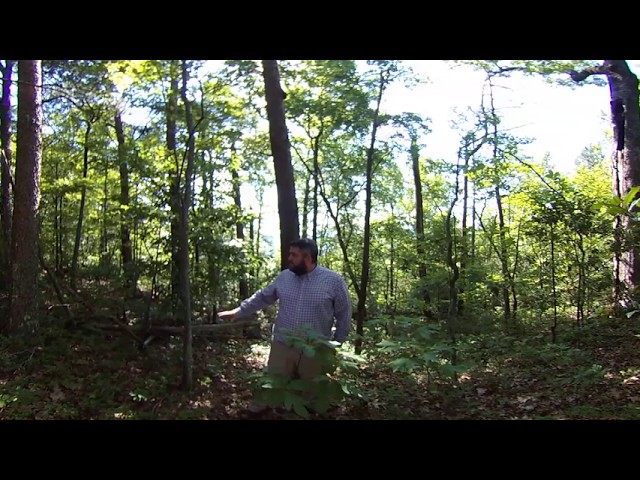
(312,273)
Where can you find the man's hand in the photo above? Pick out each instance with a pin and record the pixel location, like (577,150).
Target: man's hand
(229,314)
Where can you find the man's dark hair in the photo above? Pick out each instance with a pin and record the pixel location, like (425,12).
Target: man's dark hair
(307,245)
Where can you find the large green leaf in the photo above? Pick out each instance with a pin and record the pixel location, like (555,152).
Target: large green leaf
(403,364)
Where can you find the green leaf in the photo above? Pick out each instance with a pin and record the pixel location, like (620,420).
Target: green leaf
(430,357)
(290,399)
(448,370)
(425,332)
(353,357)
(403,364)
(309,351)
(628,198)
(388,346)
(632,313)
(321,404)
(298,385)
(299,408)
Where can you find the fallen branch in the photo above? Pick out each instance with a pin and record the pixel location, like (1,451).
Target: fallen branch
(202,329)
(209,328)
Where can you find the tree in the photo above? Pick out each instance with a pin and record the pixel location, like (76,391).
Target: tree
(625,119)
(414,126)
(287,203)
(27,194)
(125,236)
(5,176)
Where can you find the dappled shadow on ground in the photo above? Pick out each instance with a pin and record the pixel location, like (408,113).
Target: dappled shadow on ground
(62,373)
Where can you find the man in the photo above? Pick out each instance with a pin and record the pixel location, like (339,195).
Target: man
(310,297)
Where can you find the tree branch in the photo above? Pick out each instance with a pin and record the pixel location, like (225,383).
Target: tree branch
(588,72)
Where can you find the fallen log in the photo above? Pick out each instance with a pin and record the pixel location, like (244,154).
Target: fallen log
(196,329)
(207,328)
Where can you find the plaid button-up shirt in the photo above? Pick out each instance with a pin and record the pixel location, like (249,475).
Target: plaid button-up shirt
(309,301)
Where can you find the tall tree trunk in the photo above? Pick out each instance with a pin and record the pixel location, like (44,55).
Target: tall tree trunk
(174,187)
(625,118)
(420,247)
(27,184)
(392,274)
(243,286)
(125,237)
(625,113)
(454,275)
(58,227)
(554,293)
(470,141)
(361,310)
(305,206)
(502,249)
(252,240)
(287,204)
(83,200)
(5,176)
(183,266)
(316,176)
(104,231)
(503,257)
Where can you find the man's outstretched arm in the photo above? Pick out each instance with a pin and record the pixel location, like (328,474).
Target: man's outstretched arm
(261,299)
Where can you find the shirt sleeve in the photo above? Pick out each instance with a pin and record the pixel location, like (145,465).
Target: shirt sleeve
(342,311)
(261,299)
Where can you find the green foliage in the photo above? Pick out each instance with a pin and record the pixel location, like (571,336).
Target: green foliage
(419,347)
(318,393)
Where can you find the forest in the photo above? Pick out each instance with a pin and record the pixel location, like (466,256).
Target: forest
(135,206)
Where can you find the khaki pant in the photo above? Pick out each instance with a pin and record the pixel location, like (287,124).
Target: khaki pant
(289,361)
(293,363)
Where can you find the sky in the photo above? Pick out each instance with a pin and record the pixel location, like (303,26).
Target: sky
(560,120)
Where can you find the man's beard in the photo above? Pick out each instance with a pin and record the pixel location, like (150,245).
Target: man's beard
(298,269)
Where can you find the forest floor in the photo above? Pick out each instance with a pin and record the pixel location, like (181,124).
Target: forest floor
(66,373)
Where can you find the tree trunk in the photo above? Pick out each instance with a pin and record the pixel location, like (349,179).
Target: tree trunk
(305,207)
(391,304)
(58,226)
(104,230)
(503,257)
(287,204)
(174,188)
(625,118)
(625,114)
(243,286)
(502,251)
(25,214)
(452,262)
(316,176)
(183,266)
(125,237)
(361,310)
(420,250)
(83,200)
(5,176)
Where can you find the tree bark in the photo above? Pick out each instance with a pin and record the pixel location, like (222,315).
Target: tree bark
(625,119)
(25,266)
(183,266)
(243,285)
(125,237)
(83,200)
(420,247)
(174,186)
(5,176)
(361,310)
(280,149)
